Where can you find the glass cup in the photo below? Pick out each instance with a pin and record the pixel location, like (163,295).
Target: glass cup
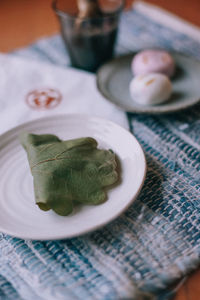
(90,41)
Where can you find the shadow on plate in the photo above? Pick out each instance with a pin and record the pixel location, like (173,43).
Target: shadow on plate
(179,73)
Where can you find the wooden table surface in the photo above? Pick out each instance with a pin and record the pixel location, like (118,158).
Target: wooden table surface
(22,22)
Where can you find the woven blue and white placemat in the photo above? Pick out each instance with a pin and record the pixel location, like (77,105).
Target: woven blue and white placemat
(156,241)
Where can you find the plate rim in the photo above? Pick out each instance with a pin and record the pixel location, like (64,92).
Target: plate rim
(148,110)
(85,231)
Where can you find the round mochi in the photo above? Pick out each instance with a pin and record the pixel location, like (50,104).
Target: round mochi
(150,89)
(153,61)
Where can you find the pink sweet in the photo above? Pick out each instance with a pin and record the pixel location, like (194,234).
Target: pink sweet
(153,61)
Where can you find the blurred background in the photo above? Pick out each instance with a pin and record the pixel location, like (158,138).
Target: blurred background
(23,21)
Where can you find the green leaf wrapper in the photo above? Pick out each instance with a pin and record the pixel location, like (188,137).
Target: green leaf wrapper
(68,172)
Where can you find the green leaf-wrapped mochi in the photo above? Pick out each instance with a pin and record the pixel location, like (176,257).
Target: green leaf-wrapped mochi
(68,172)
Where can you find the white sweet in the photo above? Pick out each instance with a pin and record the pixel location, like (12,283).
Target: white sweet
(150,89)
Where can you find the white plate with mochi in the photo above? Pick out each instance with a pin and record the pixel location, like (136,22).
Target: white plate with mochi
(19,214)
(151,81)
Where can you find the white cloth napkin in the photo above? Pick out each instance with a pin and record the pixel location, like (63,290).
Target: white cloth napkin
(19,77)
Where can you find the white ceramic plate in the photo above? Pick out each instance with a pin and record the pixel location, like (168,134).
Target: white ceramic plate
(21,217)
(114,77)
